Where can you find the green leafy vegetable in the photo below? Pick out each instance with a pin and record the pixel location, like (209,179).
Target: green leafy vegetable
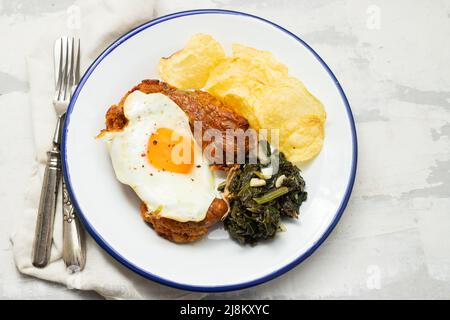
(255,212)
(271,195)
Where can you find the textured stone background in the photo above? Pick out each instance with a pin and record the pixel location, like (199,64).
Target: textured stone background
(392,59)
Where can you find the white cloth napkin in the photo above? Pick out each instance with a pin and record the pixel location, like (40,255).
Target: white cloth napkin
(97,23)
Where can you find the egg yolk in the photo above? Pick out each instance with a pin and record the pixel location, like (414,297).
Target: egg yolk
(169,151)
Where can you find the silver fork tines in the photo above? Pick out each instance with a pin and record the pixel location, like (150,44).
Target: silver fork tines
(67,64)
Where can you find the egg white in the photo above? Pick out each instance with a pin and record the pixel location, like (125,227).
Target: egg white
(181,197)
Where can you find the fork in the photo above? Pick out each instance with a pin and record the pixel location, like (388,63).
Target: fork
(68,66)
(74,249)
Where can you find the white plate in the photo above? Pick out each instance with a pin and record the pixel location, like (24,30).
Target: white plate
(110,211)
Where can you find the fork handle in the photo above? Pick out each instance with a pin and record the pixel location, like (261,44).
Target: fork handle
(47,208)
(74,249)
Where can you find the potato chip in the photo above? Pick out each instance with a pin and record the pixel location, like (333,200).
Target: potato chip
(305,141)
(234,81)
(190,67)
(256,85)
(283,102)
(237,80)
(264,60)
(241,106)
(288,106)
(248,67)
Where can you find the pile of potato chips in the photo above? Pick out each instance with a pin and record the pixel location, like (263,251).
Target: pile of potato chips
(257,86)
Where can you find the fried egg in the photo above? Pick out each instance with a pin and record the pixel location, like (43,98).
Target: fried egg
(157,156)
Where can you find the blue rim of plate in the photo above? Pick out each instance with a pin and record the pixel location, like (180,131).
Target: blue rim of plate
(98,238)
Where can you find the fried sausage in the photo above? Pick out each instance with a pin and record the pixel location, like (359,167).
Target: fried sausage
(198,106)
(183,232)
